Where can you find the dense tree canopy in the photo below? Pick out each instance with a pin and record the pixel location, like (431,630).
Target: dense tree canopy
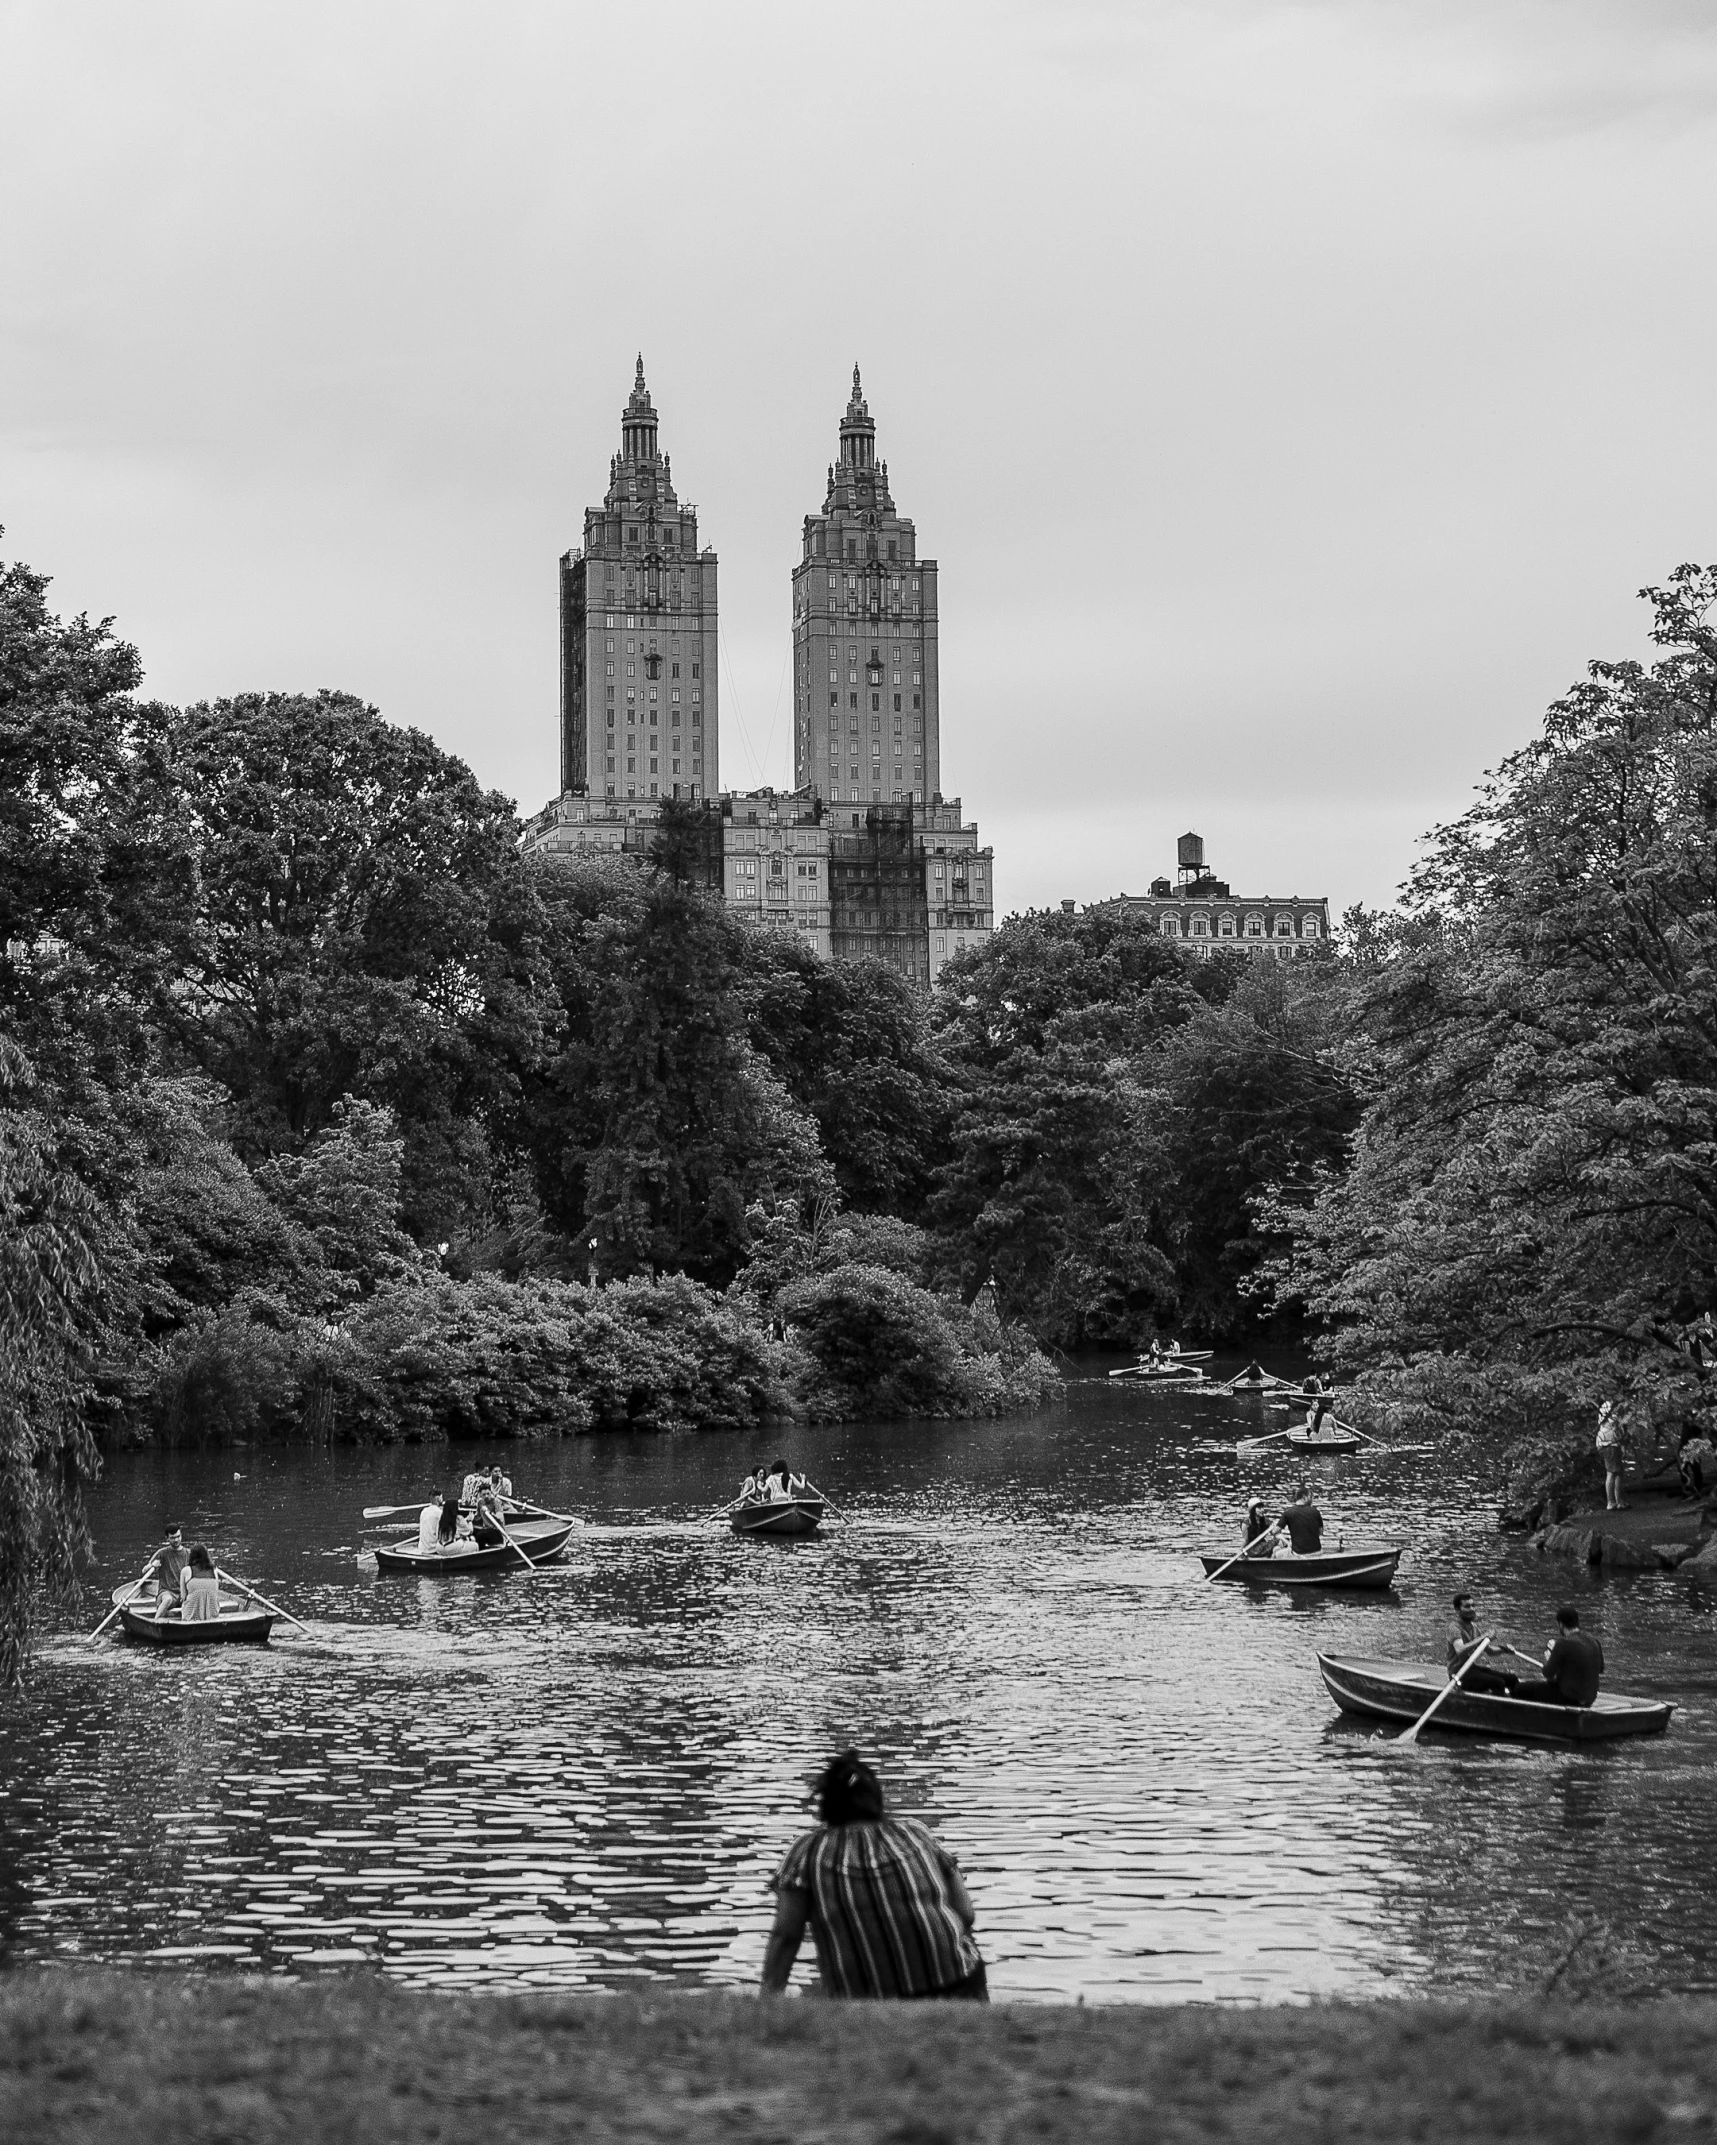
(1531,1214)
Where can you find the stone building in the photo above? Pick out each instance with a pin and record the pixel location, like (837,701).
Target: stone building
(639,715)
(865,708)
(865,856)
(1206,916)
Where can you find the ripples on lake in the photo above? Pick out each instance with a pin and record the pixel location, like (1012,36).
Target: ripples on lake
(585,1778)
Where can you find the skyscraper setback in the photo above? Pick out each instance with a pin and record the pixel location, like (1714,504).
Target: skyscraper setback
(866,727)
(639,716)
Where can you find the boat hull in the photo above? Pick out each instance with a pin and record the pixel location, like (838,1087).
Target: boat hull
(539,1539)
(1302,1441)
(802,1515)
(1401,1690)
(236,1625)
(1367,1569)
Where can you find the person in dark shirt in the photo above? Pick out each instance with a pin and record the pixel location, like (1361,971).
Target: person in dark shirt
(1573,1666)
(1305,1524)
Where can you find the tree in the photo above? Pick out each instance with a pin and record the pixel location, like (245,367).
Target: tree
(94,865)
(1531,1213)
(850,1043)
(51,1324)
(654,1124)
(364,927)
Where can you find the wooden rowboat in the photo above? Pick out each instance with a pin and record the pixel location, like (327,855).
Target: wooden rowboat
(1369,1567)
(795,1515)
(145,1619)
(1324,1441)
(538,1538)
(1401,1690)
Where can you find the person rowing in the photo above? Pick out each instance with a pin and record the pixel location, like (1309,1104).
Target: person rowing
(1465,1638)
(167,1568)
(1305,1524)
(1573,1666)
(1320,1402)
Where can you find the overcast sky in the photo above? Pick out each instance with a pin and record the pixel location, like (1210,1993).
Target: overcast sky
(1294,396)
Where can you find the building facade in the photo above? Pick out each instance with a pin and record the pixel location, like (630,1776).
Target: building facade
(639,712)
(866,719)
(1206,917)
(864,857)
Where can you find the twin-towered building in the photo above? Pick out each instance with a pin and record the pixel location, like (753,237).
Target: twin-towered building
(865,856)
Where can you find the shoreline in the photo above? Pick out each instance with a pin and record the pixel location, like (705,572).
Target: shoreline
(94,2056)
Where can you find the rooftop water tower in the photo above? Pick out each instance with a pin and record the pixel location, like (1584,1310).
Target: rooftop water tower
(1189,852)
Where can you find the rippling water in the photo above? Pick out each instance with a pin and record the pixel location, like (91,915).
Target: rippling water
(584,1778)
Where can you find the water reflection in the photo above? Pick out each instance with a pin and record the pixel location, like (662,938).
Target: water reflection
(585,1777)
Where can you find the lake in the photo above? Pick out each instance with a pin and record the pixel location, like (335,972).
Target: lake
(584,1778)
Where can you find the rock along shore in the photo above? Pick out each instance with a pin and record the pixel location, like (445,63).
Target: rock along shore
(87,2058)
(1653,1533)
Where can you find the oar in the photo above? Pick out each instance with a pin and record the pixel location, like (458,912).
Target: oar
(501,1528)
(539,1511)
(1353,1430)
(1453,1684)
(285,1614)
(391,1511)
(1252,1444)
(118,1605)
(1246,1552)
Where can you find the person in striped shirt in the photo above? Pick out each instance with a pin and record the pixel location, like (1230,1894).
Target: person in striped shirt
(887,1907)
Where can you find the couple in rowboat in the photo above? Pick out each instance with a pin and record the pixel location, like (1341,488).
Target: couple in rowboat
(774,1484)
(187,1583)
(1573,1662)
(1302,1519)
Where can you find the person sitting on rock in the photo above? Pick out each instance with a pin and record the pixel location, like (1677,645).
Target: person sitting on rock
(1573,1666)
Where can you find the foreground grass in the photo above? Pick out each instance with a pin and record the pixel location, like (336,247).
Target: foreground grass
(109,2057)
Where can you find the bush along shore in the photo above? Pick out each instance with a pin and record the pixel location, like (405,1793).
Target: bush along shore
(100,2057)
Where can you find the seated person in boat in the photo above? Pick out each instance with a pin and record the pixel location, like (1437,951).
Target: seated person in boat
(500,1486)
(1257,1536)
(775,1489)
(751,1489)
(1305,1524)
(168,1566)
(474,1488)
(1464,1638)
(1573,1666)
(202,1589)
(441,1526)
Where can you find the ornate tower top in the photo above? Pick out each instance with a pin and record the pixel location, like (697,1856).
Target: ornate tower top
(638,422)
(858,434)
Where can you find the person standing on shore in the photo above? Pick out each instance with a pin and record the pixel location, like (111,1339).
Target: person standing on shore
(1613,1451)
(888,1909)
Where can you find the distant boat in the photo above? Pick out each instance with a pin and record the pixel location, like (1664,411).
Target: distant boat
(1401,1690)
(779,1516)
(1337,1440)
(158,1624)
(1369,1567)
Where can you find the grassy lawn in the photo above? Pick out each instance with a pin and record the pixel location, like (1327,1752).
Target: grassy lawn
(132,2056)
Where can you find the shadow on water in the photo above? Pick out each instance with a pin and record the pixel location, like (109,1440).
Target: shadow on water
(584,1777)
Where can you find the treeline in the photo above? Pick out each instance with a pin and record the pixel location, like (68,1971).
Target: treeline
(1527,1221)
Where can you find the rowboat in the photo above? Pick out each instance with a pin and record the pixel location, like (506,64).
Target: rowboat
(794,1515)
(146,1619)
(1370,1566)
(1161,1374)
(538,1538)
(1324,1441)
(1169,1366)
(1401,1690)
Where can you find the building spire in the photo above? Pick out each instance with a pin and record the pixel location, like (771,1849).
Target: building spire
(638,421)
(858,434)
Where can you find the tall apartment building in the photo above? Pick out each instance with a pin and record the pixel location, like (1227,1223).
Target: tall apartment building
(865,714)
(639,716)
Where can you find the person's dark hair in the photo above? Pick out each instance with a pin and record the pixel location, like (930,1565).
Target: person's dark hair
(201,1561)
(447,1527)
(1463,1595)
(848,1791)
(777,1467)
(172,1527)
(1569,1616)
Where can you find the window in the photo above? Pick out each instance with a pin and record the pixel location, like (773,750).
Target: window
(631,670)
(876,700)
(1284,927)
(1254,927)
(917,700)
(611,666)
(1171,927)
(1308,927)
(834,698)
(694,670)
(611,718)
(897,699)
(675,673)
(891,552)
(1225,928)
(852,700)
